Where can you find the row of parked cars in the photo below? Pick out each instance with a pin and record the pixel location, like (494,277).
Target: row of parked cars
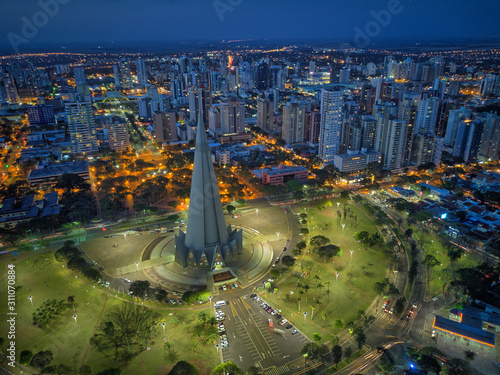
(220,316)
(281,321)
(232,286)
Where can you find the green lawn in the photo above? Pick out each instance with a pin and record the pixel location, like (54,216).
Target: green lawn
(348,297)
(440,274)
(41,277)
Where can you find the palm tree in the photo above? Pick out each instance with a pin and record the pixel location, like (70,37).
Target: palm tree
(317,278)
(469,355)
(169,348)
(175,320)
(306,288)
(301,293)
(212,321)
(202,317)
(320,286)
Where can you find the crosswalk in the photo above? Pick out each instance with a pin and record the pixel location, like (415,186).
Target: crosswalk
(278,370)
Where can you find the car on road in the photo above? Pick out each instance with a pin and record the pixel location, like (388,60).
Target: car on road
(294,332)
(386,303)
(415,304)
(408,317)
(277,260)
(391,311)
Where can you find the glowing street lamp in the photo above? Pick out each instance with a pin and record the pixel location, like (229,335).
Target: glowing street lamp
(31,300)
(352,251)
(137,265)
(278,235)
(74,317)
(337,278)
(305,314)
(163,324)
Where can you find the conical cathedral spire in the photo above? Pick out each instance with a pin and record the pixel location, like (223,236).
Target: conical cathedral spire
(206,235)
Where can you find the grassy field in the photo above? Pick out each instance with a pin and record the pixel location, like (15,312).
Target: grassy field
(441,273)
(331,304)
(41,277)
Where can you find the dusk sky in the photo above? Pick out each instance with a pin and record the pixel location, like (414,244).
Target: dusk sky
(172,20)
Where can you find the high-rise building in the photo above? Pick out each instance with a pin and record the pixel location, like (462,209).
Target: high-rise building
(390,142)
(369,127)
(41,115)
(344,76)
(118,136)
(214,118)
(330,137)
(82,127)
(293,122)
(422,148)
(490,142)
(262,76)
(125,74)
(165,126)
(79,75)
(207,239)
(142,73)
(232,116)
(455,116)
(427,115)
(312,125)
(116,75)
(265,114)
(468,139)
(145,108)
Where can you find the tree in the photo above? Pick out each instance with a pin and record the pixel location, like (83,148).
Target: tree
(25,357)
(409,232)
(318,241)
(430,261)
(294,185)
(304,231)
(169,347)
(345,194)
(301,245)
(184,368)
(336,354)
(288,261)
(316,337)
(469,355)
(173,204)
(41,359)
(386,363)
(227,368)
(311,351)
(230,208)
(360,339)
(399,306)
(71,299)
(126,330)
(202,317)
(175,320)
(454,254)
(429,363)
(139,288)
(329,251)
(71,182)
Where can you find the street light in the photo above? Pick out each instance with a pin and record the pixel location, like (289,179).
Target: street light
(278,235)
(31,300)
(210,298)
(352,251)
(74,317)
(257,211)
(338,205)
(337,278)
(137,265)
(163,324)
(217,346)
(305,318)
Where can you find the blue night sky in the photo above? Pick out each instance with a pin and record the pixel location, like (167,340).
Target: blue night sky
(174,20)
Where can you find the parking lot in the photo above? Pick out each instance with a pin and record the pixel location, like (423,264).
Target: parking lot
(248,338)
